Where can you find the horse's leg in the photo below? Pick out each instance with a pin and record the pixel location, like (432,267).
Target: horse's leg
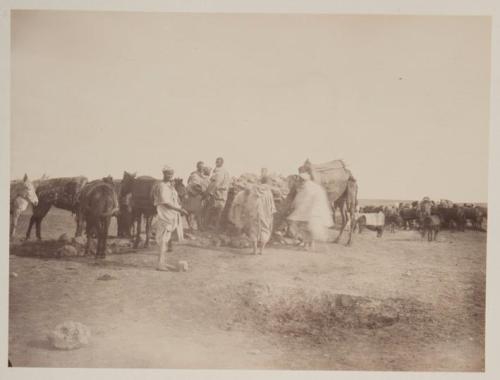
(42,212)
(13,222)
(88,232)
(98,232)
(80,223)
(30,226)
(38,212)
(107,222)
(104,223)
(138,217)
(38,227)
(148,227)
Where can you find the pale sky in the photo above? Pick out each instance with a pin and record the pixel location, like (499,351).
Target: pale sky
(403,100)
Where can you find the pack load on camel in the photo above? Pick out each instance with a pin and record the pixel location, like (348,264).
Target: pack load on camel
(332,175)
(278,185)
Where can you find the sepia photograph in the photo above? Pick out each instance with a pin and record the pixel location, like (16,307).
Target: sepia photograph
(248,191)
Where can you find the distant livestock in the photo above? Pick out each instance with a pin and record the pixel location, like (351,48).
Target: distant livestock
(372,221)
(430,226)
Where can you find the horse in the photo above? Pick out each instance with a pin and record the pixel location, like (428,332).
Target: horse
(452,217)
(392,218)
(97,206)
(141,200)
(474,215)
(22,193)
(430,224)
(58,192)
(408,216)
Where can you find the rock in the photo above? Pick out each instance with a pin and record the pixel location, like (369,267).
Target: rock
(65,238)
(225,240)
(182,266)
(344,300)
(13,275)
(239,242)
(80,240)
(66,251)
(374,314)
(69,335)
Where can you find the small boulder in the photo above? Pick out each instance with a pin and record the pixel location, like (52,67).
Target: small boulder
(183,266)
(375,314)
(65,238)
(69,335)
(79,240)
(67,251)
(344,300)
(225,240)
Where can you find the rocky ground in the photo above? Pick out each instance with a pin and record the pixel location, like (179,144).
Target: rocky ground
(391,303)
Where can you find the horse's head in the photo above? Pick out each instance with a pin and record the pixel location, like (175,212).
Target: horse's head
(28,191)
(180,188)
(127,183)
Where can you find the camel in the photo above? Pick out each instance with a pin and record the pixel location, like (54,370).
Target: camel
(342,190)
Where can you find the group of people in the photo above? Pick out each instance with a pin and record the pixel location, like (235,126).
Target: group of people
(207,196)
(252,209)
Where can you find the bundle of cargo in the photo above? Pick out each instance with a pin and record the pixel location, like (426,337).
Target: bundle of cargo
(445,203)
(278,183)
(231,217)
(332,175)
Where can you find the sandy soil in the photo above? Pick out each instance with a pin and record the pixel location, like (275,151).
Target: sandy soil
(229,310)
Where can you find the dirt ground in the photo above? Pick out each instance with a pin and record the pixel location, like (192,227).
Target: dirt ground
(287,309)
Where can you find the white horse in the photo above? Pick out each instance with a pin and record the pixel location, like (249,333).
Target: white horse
(22,193)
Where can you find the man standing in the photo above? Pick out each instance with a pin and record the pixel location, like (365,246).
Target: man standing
(311,213)
(260,212)
(217,192)
(196,186)
(169,212)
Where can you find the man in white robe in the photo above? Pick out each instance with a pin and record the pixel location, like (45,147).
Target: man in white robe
(312,211)
(169,213)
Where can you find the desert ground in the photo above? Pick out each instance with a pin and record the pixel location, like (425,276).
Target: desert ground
(397,302)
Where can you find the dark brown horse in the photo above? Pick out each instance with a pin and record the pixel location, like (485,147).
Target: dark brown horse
(58,192)
(141,200)
(97,206)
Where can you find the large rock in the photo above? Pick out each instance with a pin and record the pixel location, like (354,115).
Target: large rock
(69,335)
